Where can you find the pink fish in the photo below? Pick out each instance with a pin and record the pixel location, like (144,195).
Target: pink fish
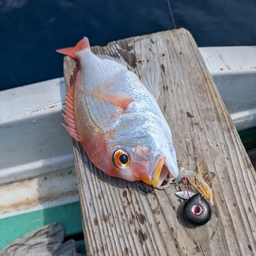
(117,120)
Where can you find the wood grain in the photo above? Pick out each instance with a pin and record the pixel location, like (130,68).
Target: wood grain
(125,218)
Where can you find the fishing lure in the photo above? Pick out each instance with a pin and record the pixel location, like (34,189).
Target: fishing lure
(197,208)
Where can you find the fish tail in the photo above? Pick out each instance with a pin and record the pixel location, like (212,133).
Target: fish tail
(72,51)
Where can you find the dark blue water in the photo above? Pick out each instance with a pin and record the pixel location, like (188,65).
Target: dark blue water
(30,31)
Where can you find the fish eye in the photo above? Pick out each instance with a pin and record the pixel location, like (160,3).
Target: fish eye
(121,159)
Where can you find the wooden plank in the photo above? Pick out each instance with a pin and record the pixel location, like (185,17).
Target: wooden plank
(132,218)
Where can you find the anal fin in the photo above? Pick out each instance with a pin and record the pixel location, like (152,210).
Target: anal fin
(150,77)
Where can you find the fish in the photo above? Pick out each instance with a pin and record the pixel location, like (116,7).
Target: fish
(115,116)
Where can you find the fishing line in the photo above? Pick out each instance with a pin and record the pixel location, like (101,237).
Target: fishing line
(170,10)
(186,183)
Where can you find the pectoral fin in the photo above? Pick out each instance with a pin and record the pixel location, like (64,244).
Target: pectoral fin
(117,99)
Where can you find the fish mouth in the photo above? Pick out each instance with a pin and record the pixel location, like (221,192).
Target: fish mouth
(160,173)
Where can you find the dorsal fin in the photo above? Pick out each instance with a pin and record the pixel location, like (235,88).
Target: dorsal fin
(69,116)
(150,77)
(72,51)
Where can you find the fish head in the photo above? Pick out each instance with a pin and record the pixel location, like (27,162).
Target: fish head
(138,163)
(142,154)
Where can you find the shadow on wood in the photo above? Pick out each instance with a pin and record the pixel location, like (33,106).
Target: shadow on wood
(125,218)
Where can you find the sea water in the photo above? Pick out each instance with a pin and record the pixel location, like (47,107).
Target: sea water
(30,31)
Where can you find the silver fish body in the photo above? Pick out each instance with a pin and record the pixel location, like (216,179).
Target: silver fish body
(114,111)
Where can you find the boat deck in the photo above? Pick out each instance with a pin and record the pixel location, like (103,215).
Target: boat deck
(132,218)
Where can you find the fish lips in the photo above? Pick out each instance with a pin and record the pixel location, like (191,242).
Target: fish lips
(160,173)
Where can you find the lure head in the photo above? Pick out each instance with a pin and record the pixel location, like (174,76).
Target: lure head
(196,210)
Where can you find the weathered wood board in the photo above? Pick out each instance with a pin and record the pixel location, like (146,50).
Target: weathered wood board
(125,218)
